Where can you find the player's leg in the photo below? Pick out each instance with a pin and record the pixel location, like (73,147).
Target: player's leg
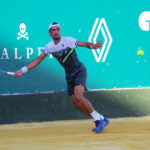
(70,87)
(79,84)
(85,105)
(80,99)
(78,105)
(79,87)
(81,103)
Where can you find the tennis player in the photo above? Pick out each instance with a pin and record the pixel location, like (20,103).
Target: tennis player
(63,49)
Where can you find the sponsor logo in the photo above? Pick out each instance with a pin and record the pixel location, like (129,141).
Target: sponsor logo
(144,21)
(15,53)
(100,27)
(22,33)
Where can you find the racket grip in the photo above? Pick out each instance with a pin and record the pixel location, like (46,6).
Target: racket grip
(11,73)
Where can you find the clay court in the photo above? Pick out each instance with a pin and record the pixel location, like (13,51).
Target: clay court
(121,134)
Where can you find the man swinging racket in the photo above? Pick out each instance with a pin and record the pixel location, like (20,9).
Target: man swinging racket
(63,49)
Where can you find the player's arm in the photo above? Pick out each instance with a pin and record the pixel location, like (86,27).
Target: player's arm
(90,45)
(31,65)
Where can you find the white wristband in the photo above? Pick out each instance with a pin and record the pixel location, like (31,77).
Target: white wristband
(24,69)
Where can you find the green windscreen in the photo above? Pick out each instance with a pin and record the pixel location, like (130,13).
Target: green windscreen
(123,27)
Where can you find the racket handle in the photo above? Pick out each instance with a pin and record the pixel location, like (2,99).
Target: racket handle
(11,73)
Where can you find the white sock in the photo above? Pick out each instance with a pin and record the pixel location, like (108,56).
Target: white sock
(96,116)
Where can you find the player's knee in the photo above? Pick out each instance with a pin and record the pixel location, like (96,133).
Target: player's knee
(78,92)
(79,97)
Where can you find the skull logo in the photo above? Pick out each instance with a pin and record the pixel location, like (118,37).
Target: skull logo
(22,33)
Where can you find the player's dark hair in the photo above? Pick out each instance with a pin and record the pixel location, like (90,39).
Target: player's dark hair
(54,23)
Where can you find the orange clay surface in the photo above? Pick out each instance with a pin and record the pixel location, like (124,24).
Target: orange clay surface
(120,134)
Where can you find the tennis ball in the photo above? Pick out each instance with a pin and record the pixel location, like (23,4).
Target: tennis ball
(140,52)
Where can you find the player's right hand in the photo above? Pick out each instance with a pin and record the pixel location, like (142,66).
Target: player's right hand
(18,73)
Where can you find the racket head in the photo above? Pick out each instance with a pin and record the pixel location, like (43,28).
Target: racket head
(2,71)
(5,72)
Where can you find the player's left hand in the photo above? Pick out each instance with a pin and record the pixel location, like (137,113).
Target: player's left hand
(97,45)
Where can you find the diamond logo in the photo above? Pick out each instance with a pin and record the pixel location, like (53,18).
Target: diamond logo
(100,27)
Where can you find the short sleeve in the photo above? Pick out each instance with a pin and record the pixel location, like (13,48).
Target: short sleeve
(45,50)
(72,42)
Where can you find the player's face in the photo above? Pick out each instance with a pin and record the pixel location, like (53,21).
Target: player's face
(55,32)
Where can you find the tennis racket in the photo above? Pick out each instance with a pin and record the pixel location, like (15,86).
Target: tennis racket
(7,73)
